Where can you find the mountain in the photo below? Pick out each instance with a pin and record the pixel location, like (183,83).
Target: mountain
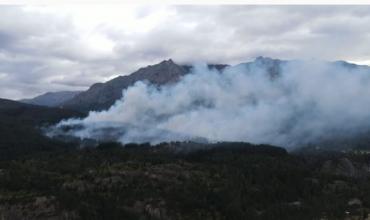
(219,67)
(51,99)
(101,96)
(20,125)
(272,66)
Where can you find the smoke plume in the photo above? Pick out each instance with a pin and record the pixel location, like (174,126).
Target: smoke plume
(301,103)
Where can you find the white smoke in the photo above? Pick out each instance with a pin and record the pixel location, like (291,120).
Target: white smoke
(306,102)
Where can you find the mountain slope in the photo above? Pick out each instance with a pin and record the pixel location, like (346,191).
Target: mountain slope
(51,99)
(32,114)
(102,95)
(19,127)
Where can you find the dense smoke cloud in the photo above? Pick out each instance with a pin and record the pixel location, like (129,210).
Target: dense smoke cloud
(303,102)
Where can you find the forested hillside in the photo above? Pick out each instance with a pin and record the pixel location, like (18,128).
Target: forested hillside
(175,181)
(20,126)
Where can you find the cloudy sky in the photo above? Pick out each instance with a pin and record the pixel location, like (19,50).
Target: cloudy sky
(61,47)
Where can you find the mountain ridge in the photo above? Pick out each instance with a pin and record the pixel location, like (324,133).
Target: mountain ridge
(102,95)
(51,99)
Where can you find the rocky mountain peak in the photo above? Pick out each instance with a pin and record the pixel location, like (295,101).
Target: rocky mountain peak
(102,96)
(161,73)
(167,62)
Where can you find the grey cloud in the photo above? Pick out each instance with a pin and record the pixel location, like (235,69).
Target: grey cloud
(236,33)
(50,52)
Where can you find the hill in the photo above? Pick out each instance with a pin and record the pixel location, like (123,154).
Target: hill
(103,95)
(51,99)
(20,126)
(100,96)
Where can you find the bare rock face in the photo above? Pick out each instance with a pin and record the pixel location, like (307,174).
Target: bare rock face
(101,96)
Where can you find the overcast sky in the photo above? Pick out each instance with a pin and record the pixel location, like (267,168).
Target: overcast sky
(62,47)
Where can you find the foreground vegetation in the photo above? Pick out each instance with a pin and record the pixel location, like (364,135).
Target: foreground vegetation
(185,181)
